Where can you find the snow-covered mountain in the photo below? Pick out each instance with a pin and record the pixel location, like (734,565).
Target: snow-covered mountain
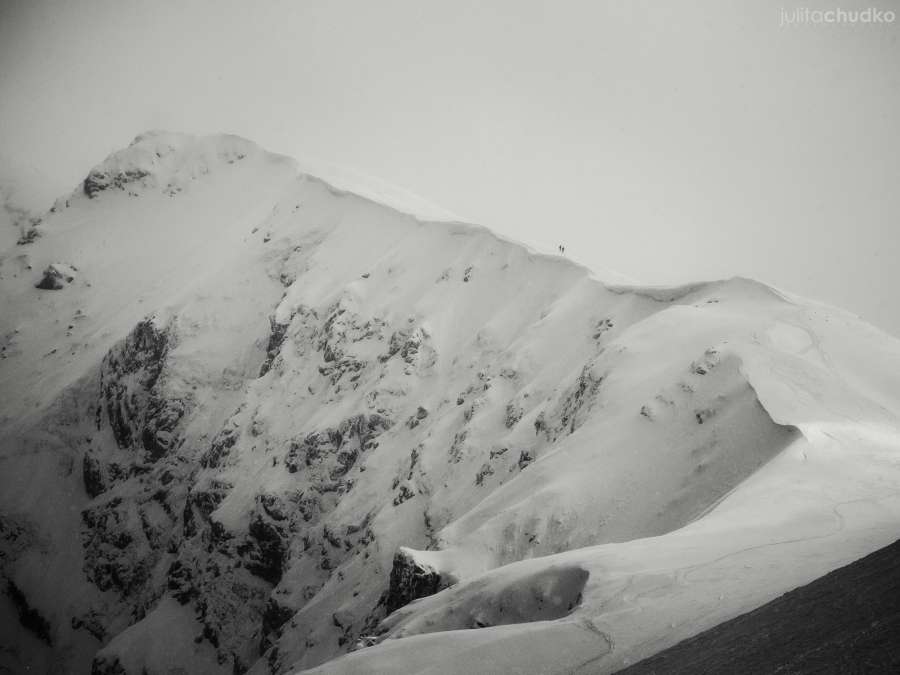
(250,421)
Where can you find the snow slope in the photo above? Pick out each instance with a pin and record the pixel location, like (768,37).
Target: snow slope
(827,498)
(846,621)
(266,416)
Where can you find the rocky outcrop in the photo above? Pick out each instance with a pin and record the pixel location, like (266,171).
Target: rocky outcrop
(30,232)
(333,452)
(200,504)
(413,421)
(56,276)
(129,373)
(120,546)
(136,479)
(277,332)
(139,411)
(29,617)
(107,665)
(265,550)
(154,527)
(158,434)
(573,407)
(99,180)
(92,473)
(274,617)
(412,579)
(341,329)
(412,345)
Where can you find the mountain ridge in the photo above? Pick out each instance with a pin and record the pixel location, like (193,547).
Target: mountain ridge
(265,413)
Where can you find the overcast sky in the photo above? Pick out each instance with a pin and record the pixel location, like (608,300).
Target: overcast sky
(668,141)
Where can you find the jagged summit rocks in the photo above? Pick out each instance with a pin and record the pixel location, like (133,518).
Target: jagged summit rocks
(283,421)
(163,160)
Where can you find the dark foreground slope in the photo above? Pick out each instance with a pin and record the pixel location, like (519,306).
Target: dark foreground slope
(846,622)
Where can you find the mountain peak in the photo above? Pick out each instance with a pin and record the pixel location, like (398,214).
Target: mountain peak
(167,161)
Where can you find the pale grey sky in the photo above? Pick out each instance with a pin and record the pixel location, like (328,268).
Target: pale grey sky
(670,141)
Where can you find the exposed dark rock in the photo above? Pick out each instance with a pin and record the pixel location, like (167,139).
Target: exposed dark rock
(92,622)
(540,424)
(406,343)
(331,537)
(404,494)
(601,327)
(703,415)
(30,234)
(577,400)
(274,617)
(411,580)
(161,419)
(107,665)
(180,581)
(335,451)
(56,276)
(344,622)
(709,361)
(15,537)
(265,550)
(135,407)
(414,456)
(485,470)
(341,329)
(200,504)
(98,181)
(273,506)
(29,617)
(513,414)
(116,547)
(277,333)
(221,444)
(308,507)
(92,475)
(458,445)
(413,421)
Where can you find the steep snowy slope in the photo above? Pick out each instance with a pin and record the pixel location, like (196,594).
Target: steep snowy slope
(828,497)
(845,622)
(249,419)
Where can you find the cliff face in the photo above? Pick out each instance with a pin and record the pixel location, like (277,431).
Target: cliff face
(266,414)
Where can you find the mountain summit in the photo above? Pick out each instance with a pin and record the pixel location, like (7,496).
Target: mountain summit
(251,422)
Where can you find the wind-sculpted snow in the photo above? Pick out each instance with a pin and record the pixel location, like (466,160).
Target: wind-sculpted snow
(829,497)
(269,423)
